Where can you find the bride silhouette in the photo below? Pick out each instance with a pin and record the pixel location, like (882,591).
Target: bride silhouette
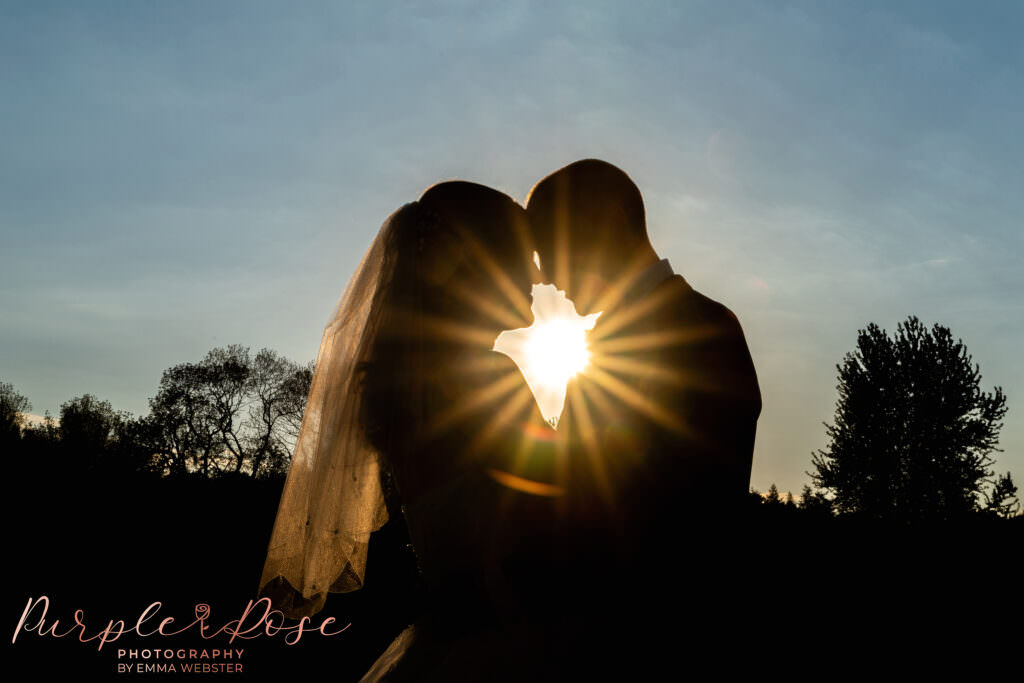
(410,409)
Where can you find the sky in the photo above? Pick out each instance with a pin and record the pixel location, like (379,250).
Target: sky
(180,176)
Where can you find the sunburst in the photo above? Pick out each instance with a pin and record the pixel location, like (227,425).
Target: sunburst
(558,345)
(552,350)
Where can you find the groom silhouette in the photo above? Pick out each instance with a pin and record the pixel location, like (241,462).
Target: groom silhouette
(661,425)
(659,432)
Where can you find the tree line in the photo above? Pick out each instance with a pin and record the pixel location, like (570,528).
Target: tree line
(913,436)
(233,412)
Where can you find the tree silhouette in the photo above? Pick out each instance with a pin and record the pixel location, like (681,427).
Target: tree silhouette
(913,433)
(85,428)
(86,422)
(1002,500)
(230,412)
(279,388)
(814,502)
(13,407)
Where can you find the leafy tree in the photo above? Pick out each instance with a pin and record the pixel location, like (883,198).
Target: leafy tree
(134,446)
(1002,500)
(86,427)
(913,433)
(279,388)
(185,420)
(13,407)
(230,412)
(814,501)
(86,422)
(754,498)
(42,433)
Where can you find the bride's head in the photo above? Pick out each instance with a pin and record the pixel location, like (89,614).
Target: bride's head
(475,257)
(461,267)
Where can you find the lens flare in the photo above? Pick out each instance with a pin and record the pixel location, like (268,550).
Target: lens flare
(555,351)
(551,350)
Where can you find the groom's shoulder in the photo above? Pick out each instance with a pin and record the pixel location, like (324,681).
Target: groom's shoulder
(723,333)
(695,304)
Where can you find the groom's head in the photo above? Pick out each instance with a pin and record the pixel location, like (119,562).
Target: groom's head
(590,230)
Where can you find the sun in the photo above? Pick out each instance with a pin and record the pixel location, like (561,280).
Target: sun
(555,351)
(552,350)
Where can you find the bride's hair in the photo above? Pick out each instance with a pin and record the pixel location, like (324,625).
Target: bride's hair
(461,260)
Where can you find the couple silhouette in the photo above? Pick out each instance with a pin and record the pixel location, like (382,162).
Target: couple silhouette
(542,552)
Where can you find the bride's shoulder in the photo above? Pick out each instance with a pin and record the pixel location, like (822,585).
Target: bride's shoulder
(492,382)
(477,368)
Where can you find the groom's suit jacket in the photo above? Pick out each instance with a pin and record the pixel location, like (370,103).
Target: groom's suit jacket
(663,422)
(661,435)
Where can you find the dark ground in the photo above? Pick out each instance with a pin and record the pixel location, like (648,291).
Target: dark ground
(799,595)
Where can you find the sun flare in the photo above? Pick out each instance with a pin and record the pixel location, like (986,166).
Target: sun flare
(555,351)
(552,350)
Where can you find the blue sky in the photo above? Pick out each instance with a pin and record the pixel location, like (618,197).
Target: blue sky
(181,176)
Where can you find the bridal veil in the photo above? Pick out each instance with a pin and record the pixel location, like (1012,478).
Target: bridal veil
(332,499)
